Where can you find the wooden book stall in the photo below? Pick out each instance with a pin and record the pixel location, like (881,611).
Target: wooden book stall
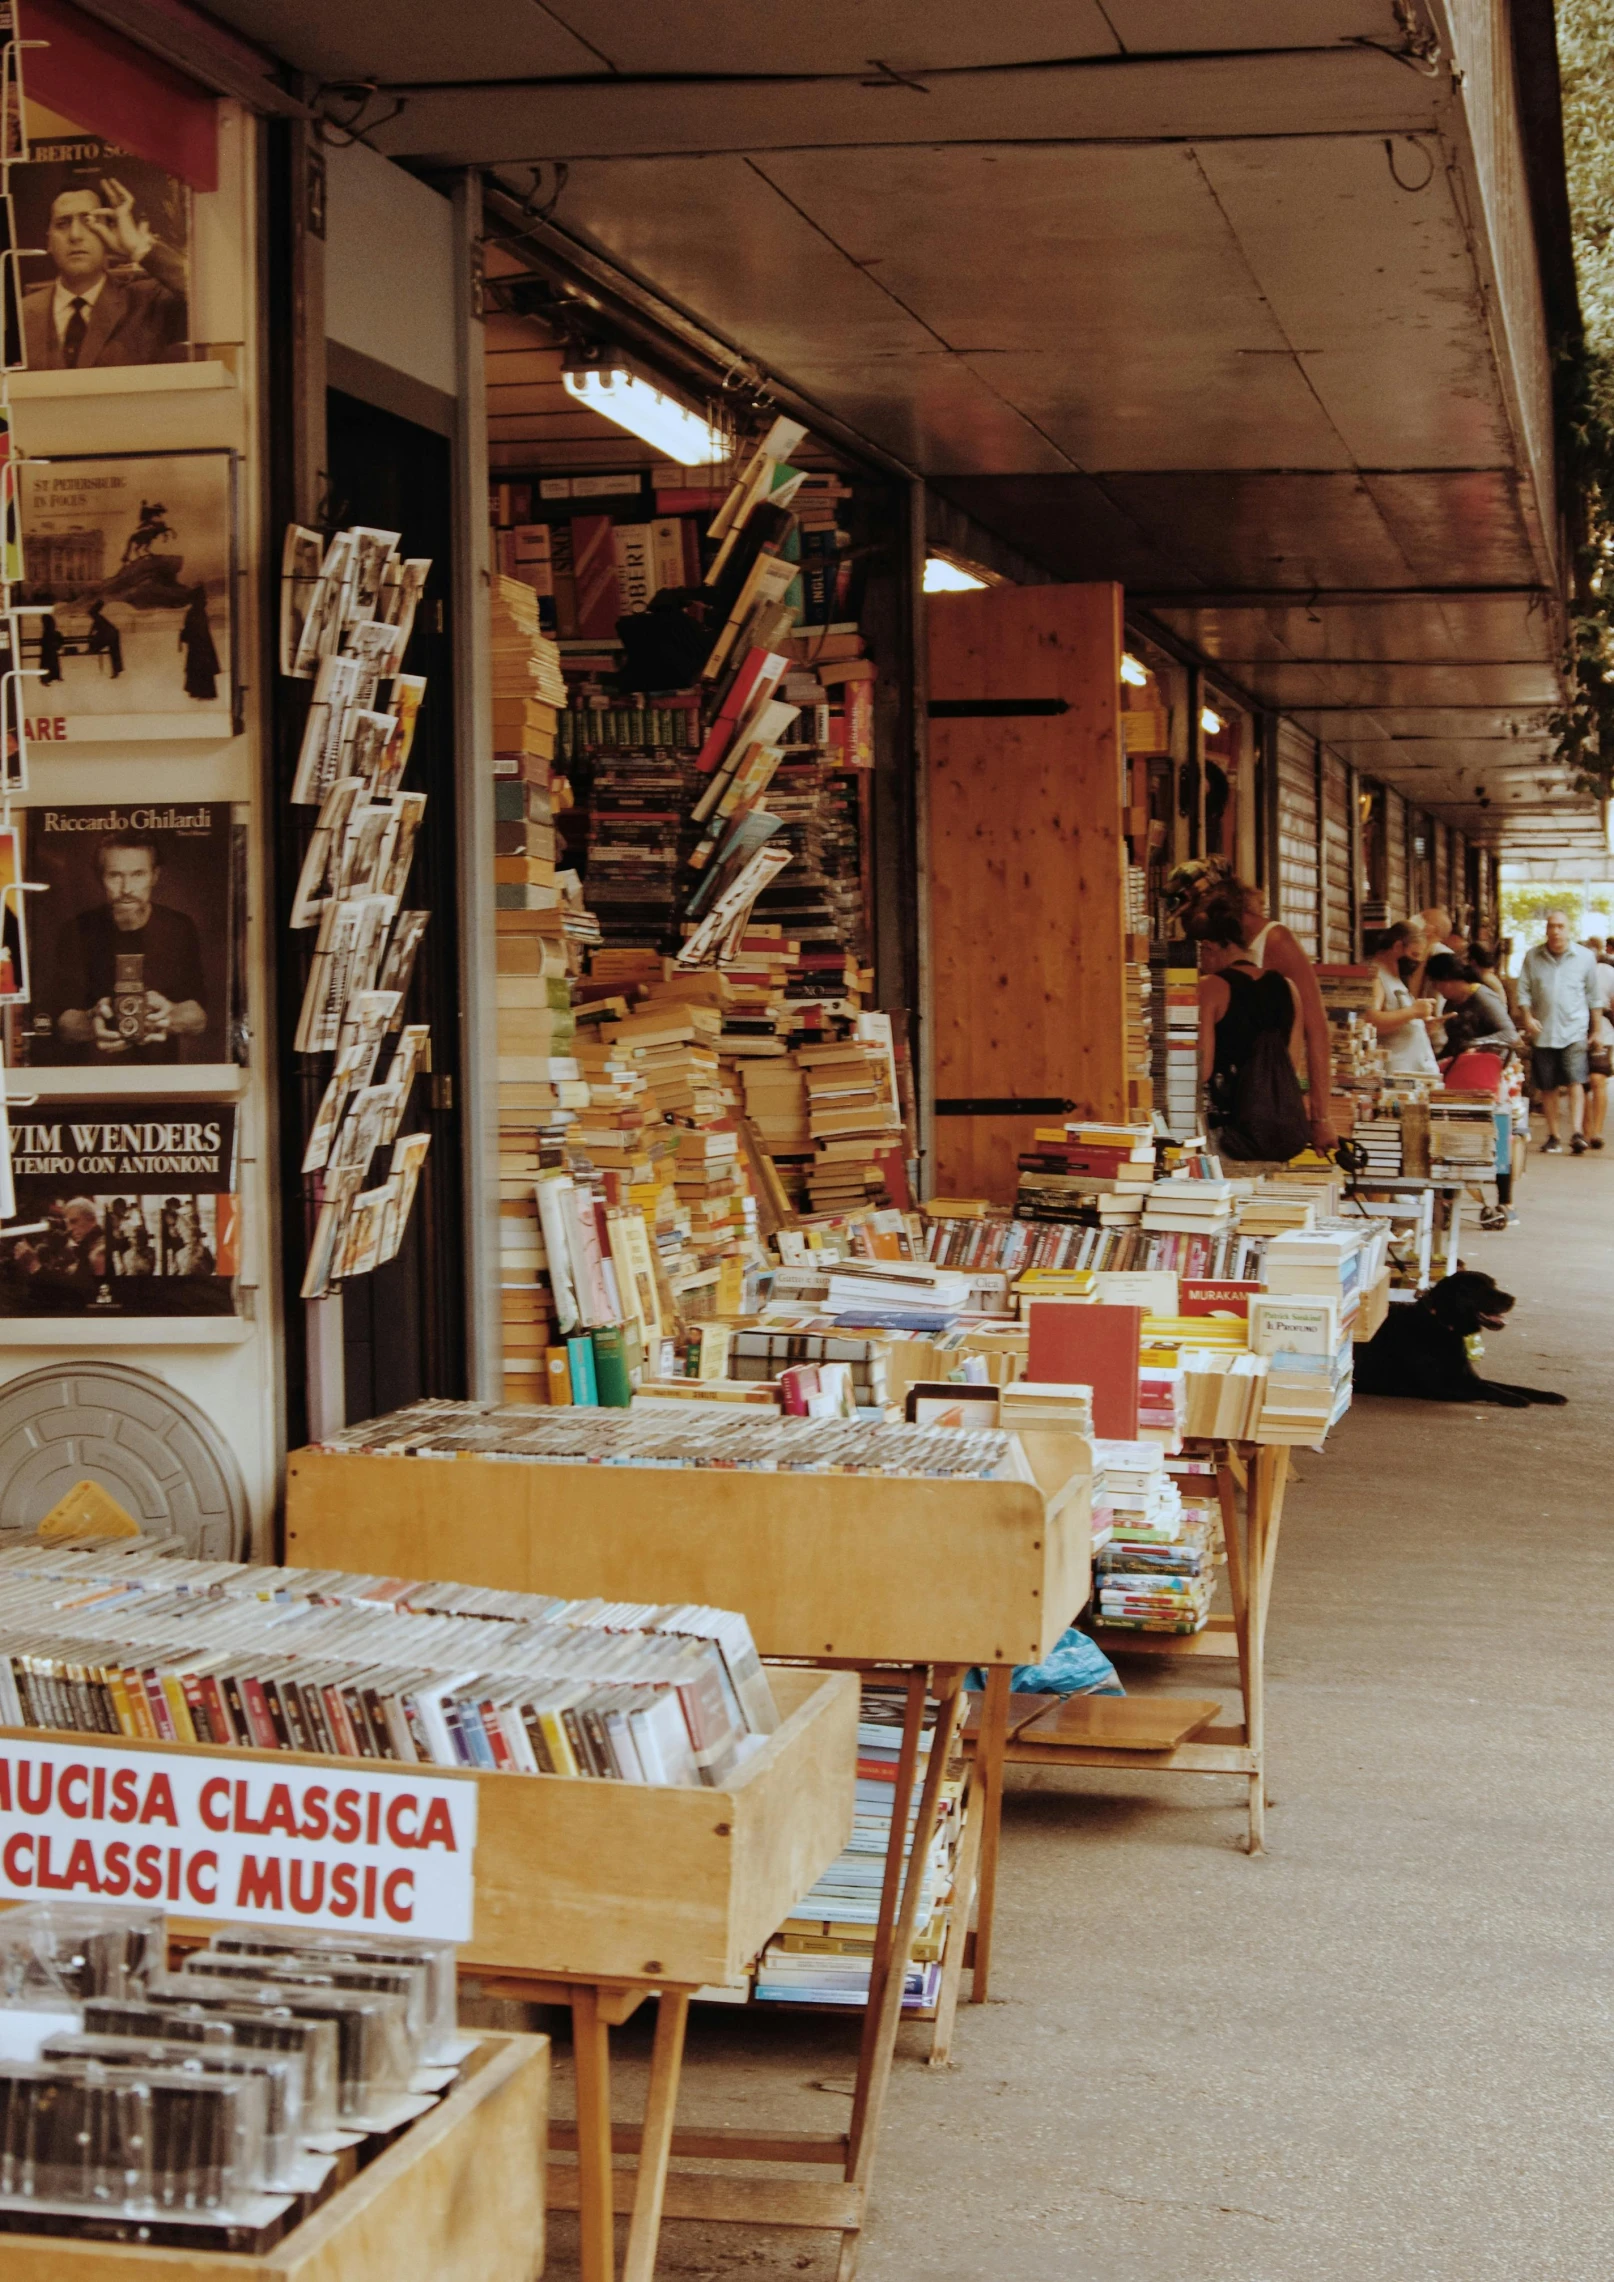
(872,1574)
(457,2198)
(1176,1735)
(599,1895)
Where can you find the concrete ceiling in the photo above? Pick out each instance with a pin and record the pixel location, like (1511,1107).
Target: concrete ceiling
(1232,300)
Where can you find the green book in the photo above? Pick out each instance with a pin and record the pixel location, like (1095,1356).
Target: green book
(613,1387)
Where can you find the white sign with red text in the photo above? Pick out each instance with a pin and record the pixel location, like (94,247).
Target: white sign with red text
(389,1852)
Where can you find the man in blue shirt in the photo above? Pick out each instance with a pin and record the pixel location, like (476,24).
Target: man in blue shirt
(1558,998)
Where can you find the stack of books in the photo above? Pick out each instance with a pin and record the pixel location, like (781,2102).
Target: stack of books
(897,1295)
(1044,1403)
(1146,1583)
(1193,1207)
(1178,1058)
(1318,1263)
(854,1121)
(1271,1213)
(1224,1392)
(824,1952)
(1377,1141)
(1462,1136)
(535,959)
(1162,1404)
(1133,1493)
(1309,1357)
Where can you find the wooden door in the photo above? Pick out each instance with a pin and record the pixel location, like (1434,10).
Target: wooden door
(1027,871)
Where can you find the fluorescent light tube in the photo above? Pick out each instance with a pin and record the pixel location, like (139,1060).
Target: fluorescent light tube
(657,420)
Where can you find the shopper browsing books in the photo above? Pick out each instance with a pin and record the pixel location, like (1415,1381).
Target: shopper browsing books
(1398,1017)
(1272,949)
(1476,1013)
(1558,994)
(1254,1105)
(1599,1053)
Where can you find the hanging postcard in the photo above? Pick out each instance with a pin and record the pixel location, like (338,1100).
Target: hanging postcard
(127,562)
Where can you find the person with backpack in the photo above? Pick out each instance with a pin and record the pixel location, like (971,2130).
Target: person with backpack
(1255,1110)
(1273,949)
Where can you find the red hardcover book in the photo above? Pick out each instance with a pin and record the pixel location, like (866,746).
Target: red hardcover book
(758,676)
(1081,1346)
(1196,1298)
(599,593)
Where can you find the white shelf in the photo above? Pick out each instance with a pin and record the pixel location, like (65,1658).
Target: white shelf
(124,1331)
(120,380)
(158,1081)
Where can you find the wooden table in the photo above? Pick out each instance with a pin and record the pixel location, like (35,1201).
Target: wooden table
(596,2190)
(1250,1481)
(455,2198)
(599,1895)
(889,1577)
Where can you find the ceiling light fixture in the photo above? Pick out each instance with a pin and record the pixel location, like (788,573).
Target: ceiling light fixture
(645,411)
(945,577)
(1134,670)
(1210,722)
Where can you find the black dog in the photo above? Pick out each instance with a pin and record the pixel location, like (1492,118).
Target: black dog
(1419,1350)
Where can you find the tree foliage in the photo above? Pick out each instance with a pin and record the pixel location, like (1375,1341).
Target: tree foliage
(1585,378)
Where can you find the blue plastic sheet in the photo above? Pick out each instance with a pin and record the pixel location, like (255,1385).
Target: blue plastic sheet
(1074,1666)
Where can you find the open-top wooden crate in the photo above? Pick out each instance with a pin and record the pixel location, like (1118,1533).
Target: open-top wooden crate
(639,1881)
(458,2198)
(862,1568)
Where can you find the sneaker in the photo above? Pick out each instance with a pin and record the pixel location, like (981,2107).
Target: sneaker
(1596,1141)
(1551,1145)
(1577,1144)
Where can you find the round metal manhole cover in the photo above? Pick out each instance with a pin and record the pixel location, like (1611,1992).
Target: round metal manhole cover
(146,1444)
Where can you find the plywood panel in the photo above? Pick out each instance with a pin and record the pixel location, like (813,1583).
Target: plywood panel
(860,1566)
(1298,834)
(1395,844)
(1336,926)
(1027,869)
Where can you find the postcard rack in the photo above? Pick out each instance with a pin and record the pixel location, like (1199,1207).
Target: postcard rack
(457,2198)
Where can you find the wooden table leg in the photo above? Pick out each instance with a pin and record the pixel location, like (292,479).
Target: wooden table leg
(1233,1539)
(964,1880)
(1264,1501)
(989,1749)
(591,2060)
(655,2143)
(913,1721)
(874,2066)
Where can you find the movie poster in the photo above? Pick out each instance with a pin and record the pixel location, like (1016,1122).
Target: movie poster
(129,557)
(109,283)
(125,1208)
(132,934)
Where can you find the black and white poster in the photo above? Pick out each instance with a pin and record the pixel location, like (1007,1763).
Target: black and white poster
(132,935)
(124,1208)
(110,281)
(128,556)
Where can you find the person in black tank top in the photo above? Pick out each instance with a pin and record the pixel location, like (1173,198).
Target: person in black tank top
(1238,1004)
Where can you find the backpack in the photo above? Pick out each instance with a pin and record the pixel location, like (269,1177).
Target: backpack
(1263,1112)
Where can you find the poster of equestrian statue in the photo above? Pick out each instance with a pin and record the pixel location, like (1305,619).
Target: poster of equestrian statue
(127,567)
